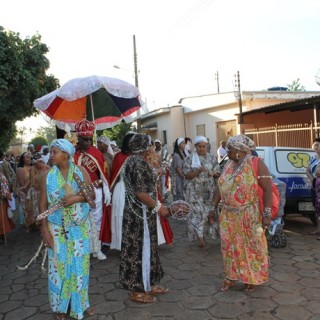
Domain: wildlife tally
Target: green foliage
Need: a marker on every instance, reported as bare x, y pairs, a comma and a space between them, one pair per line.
49, 133
39, 141
296, 86
117, 132
23, 79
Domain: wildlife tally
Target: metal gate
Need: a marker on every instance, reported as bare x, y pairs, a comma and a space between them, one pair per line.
292, 135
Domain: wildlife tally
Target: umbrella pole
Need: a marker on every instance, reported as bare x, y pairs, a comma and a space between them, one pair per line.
92, 113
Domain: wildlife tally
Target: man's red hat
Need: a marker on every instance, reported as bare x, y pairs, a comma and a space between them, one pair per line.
84, 128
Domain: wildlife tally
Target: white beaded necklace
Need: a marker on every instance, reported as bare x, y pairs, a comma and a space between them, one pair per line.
239, 165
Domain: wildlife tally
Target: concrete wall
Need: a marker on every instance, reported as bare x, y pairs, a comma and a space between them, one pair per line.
182, 120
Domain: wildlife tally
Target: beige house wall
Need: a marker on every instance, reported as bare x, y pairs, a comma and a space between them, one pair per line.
209, 111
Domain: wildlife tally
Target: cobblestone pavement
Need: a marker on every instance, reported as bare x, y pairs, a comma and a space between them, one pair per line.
193, 276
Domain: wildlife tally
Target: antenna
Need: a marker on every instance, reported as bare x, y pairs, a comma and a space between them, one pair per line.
318, 77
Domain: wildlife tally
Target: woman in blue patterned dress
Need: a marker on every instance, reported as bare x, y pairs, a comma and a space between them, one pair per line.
66, 233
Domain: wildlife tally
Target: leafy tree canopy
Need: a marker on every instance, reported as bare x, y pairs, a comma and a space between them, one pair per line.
23, 79
117, 132
296, 86
38, 142
49, 133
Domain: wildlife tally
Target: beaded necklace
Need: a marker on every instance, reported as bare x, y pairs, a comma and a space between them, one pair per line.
132, 201
238, 166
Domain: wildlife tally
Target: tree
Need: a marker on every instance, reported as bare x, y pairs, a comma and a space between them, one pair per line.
118, 132
38, 142
49, 133
296, 86
23, 78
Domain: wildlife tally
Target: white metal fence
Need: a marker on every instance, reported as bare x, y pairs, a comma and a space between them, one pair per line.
293, 135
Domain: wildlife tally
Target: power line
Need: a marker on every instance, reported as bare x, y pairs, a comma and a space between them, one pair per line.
190, 15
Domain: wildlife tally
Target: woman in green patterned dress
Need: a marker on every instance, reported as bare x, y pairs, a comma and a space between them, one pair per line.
66, 233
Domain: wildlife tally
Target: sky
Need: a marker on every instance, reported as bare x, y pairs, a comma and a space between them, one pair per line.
180, 44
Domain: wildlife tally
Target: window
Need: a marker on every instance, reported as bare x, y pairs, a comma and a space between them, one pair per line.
201, 130
164, 137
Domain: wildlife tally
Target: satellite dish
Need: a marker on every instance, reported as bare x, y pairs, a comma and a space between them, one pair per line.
318, 77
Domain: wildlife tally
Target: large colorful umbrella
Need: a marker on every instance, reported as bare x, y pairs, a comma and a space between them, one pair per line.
103, 100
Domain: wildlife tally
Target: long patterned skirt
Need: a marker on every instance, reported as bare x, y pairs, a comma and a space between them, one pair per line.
68, 274
244, 246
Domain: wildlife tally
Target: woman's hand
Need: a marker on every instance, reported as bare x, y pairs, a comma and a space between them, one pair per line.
46, 235
211, 217
266, 222
8, 195
164, 211
202, 169
69, 200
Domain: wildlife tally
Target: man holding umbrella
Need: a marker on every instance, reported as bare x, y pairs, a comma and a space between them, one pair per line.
93, 161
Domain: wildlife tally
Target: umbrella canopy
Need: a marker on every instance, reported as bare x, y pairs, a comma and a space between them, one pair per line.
103, 100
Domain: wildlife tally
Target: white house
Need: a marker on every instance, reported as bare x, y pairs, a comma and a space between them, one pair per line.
215, 116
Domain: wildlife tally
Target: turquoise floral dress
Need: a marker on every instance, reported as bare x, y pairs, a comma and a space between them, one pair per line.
69, 260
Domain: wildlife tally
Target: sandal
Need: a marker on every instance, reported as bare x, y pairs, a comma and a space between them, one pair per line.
90, 311
142, 297
158, 290
226, 285
249, 287
315, 232
59, 316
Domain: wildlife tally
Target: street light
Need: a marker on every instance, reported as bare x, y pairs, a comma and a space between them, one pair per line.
136, 79
216, 77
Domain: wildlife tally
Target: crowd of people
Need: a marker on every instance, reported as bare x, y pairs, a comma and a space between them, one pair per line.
90, 197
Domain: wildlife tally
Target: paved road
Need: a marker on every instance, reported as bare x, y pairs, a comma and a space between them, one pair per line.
193, 275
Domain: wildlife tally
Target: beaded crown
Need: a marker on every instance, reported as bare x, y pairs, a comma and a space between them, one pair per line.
84, 128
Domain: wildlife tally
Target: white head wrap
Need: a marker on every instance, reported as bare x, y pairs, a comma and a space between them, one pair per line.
195, 158
180, 140
104, 140
242, 143
107, 142
200, 139
43, 147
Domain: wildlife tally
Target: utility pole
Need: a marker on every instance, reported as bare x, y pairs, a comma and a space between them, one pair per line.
136, 80
216, 77
237, 82
135, 61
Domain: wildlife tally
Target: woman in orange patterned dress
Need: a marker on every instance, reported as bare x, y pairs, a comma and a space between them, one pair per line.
243, 241
6, 223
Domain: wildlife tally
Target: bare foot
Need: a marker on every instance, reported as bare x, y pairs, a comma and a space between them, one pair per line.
202, 243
